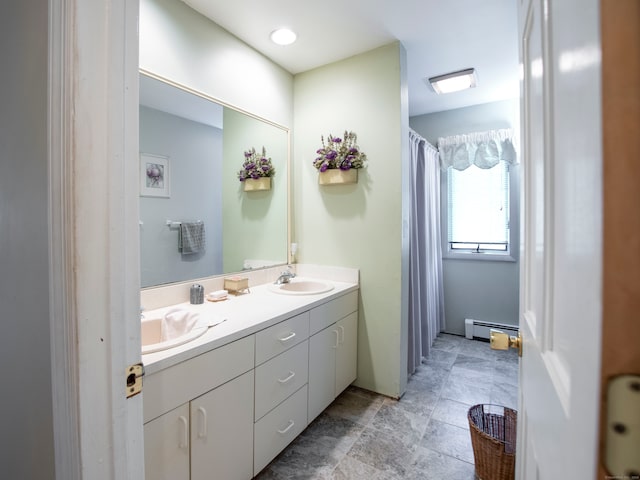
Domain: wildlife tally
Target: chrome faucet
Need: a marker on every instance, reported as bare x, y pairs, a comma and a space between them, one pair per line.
285, 277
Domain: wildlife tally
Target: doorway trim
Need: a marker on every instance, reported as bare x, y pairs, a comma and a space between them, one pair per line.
64, 375
93, 237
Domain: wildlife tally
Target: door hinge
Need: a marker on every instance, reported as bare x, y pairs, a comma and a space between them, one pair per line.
133, 375
623, 427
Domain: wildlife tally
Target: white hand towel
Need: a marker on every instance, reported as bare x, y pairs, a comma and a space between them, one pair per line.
176, 322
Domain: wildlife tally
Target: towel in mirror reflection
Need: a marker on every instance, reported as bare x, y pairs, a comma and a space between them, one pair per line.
191, 238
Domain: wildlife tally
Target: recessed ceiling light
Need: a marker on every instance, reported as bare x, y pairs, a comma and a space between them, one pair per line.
283, 36
454, 82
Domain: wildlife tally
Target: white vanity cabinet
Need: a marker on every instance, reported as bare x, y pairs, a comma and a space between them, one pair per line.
222, 431
279, 428
199, 416
347, 352
166, 446
282, 360
212, 434
332, 351
227, 413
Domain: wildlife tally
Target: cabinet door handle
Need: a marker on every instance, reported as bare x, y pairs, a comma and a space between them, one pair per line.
342, 336
337, 338
184, 432
289, 377
203, 425
287, 428
288, 337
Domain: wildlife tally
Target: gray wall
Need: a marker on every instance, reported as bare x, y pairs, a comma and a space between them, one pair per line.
195, 156
26, 444
479, 289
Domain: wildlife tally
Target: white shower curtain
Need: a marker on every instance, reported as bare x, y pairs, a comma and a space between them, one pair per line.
426, 296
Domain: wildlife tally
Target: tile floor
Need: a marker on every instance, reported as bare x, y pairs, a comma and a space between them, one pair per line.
424, 435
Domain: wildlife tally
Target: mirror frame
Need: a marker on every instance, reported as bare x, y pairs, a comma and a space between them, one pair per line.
224, 104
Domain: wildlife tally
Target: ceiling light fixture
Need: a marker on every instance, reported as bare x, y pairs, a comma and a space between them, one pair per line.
454, 82
283, 36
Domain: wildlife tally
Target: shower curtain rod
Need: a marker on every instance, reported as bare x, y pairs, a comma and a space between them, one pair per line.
422, 139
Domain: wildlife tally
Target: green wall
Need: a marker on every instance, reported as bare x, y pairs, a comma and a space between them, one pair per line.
179, 44
359, 225
254, 223
362, 226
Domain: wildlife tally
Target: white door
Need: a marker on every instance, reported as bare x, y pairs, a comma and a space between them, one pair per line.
561, 255
94, 292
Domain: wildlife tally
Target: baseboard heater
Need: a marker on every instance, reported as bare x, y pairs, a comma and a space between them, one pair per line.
480, 329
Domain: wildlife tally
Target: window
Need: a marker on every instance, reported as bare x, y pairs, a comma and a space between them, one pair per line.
478, 211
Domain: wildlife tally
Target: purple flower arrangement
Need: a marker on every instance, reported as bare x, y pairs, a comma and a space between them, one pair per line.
342, 153
256, 165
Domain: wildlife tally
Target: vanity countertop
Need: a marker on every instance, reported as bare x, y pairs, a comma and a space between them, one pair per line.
245, 314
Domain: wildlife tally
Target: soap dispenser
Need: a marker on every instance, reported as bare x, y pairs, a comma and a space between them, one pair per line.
196, 294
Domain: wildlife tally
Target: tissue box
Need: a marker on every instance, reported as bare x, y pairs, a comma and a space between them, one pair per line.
236, 284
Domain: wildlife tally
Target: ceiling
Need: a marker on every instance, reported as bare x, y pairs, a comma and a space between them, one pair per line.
440, 36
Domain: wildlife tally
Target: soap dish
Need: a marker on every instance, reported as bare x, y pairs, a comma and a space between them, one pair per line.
217, 296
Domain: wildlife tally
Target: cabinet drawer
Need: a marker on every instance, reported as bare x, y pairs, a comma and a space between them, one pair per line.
169, 388
324, 315
278, 428
280, 337
280, 377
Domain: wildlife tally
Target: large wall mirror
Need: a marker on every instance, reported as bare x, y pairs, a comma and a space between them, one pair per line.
193, 148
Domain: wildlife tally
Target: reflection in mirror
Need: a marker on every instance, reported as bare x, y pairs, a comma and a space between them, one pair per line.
191, 149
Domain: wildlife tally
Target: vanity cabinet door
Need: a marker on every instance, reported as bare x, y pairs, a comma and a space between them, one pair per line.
322, 370
166, 446
222, 431
332, 362
347, 352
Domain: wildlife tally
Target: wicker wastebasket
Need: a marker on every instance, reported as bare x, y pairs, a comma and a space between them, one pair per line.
493, 437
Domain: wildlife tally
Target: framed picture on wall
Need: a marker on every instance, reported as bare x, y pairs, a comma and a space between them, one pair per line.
155, 176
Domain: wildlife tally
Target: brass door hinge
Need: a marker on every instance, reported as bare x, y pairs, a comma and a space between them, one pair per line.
134, 374
623, 427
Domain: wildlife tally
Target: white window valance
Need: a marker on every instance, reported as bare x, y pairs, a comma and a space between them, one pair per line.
482, 149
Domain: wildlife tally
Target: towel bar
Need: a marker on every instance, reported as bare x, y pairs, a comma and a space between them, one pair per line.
172, 224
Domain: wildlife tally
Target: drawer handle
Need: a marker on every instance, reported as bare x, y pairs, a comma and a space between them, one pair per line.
203, 426
285, 380
184, 433
288, 337
289, 427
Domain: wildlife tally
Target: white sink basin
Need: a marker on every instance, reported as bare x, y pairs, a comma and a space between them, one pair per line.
152, 340
302, 287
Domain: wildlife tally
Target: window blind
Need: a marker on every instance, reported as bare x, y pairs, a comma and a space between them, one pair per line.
478, 206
